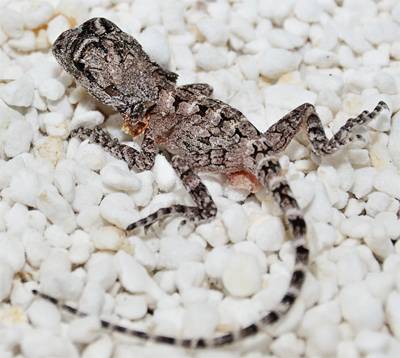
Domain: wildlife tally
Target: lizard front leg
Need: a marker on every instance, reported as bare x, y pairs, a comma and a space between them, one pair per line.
305, 117
205, 208
143, 160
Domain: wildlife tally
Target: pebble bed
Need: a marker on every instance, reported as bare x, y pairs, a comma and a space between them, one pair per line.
64, 204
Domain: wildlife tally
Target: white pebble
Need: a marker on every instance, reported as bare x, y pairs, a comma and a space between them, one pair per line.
36, 249
189, 274
287, 96
213, 232
363, 181
90, 156
102, 348
394, 140
388, 180
350, 268
354, 207
182, 56
119, 178
107, 238
275, 11
367, 313
19, 92
376, 203
303, 191
56, 26
390, 222
308, 10
12, 252
6, 277
89, 218
320, 58
216, 261
176, 250
55, 124
267, 232
164, 174
81, 247
380, 30
200, 320
242, 28
376, 58
130, 307
84, 330
324, 340
273, 62
172, 16
209, 57
356, 226
385, 83
166, 280
16, 219
47, 344
102, 270
56, 208
236, 223
283, 39
87, 119
380, 284
44, 314
143, 196
242, 275
118, 209
134, 277
156, 45
92, 299
324, 234
56, 237
38, 14
147, 12
51, 89
19, 136
213, 30
25, 43
287, 345
86, 195
11, 22
324, 313
369, 341
144, 253
393, 313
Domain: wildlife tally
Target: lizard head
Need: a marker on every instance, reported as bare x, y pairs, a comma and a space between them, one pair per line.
112, 66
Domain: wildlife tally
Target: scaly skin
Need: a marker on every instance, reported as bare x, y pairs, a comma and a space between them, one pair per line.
197, 134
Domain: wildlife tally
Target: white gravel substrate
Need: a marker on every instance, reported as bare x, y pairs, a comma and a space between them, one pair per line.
64, 204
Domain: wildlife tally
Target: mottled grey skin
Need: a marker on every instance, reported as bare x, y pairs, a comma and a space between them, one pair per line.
197, 134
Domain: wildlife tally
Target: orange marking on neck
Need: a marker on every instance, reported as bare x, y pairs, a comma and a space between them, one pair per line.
136, 128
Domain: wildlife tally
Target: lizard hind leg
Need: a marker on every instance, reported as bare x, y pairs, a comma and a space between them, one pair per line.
269, 174
279, 135
205, 208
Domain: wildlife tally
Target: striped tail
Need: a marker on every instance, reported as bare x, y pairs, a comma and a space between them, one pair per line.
269, 174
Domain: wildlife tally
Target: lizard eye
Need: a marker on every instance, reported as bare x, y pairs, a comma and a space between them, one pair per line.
80, 66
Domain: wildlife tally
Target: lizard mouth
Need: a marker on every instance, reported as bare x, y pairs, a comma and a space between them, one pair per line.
65, 44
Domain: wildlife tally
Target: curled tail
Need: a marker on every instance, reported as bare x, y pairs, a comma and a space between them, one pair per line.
269, 174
